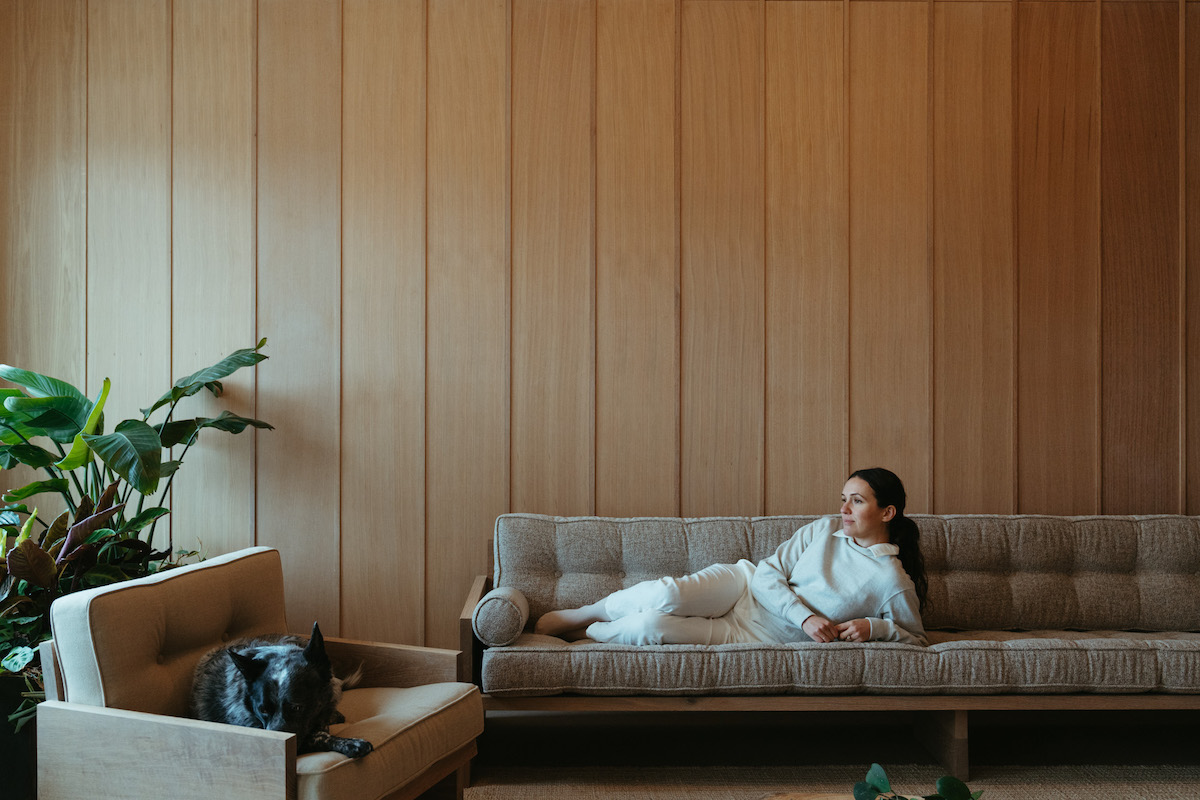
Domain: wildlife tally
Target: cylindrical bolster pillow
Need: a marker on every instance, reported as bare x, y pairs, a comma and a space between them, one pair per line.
500, 616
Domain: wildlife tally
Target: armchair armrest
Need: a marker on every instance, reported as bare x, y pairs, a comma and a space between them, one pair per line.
85, 752
396, 665
470, 647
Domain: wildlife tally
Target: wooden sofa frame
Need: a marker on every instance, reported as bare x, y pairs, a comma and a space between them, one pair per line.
941, 721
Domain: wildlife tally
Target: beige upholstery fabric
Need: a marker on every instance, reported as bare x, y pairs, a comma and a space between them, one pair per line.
1025, 604
411, 729
134, 645
500, 616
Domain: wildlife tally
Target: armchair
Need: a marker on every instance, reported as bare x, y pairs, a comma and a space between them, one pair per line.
119, 672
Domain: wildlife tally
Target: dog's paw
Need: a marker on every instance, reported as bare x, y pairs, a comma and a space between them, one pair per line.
351, 748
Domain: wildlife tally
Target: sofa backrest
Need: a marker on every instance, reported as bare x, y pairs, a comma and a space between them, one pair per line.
134, 645
985, 572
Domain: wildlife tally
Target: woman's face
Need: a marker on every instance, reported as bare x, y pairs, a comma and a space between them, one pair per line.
862, 518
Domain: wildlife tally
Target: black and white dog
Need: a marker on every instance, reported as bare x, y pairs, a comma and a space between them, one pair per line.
277, 683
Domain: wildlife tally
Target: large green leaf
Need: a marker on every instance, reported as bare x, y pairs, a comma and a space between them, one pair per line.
182, 431
40, 385
209, 377
133, 451
61, 418
80, 452
28, 454
57, 486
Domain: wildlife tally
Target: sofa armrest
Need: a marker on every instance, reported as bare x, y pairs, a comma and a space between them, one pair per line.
396, 665
470, 647
85, 752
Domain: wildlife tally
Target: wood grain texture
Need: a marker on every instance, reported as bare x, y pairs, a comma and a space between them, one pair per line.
467, 399
553, 256
1191, 232
637, 260
974, 271
890, 303
383, 307
807, 269
1140, 312
213, 261
129, 210
723, 255
299, 296
9, 74
1058, 161
44, 282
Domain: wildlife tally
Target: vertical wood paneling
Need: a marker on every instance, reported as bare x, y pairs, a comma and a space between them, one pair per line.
383, 308
299, 295
1058, 151
43, 286
889, 243
467, 401
129, 204
723, 253
974, 277
1140, 258
807, 269
553, 256
1192, 240
637, 260
8, 120
213, 262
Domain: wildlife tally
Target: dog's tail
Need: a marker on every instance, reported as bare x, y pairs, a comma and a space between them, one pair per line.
353, 679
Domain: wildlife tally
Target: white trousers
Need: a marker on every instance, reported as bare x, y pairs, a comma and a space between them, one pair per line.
712, 606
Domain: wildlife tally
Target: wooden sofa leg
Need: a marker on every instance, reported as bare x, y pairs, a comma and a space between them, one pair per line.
944, 734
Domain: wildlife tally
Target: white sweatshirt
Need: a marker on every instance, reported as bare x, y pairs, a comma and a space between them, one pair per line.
822, 571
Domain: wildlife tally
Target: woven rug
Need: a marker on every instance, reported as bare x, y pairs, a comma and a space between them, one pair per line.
755, 783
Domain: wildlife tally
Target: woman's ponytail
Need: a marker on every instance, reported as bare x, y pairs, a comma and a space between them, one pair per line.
902, 531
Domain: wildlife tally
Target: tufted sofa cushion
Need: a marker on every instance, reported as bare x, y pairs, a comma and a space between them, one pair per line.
985, 572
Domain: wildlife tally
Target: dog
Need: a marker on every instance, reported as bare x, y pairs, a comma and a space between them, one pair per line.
277, 683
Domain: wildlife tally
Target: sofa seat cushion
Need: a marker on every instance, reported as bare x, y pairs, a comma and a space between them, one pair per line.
410, 729
1048, 662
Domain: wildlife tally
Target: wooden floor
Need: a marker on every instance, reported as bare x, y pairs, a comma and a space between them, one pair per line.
744, 739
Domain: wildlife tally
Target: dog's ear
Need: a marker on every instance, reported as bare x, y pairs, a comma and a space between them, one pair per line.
251, 668
314, 653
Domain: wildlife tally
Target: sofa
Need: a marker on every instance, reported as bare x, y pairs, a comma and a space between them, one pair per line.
1024, 612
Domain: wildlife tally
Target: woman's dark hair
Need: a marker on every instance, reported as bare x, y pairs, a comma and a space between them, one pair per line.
902, 531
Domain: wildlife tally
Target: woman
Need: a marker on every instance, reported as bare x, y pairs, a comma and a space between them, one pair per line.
861, 581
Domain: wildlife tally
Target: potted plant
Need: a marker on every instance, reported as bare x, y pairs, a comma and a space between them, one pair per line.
878, 786
113, 489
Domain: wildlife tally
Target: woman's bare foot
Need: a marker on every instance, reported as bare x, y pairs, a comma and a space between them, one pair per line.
567, 620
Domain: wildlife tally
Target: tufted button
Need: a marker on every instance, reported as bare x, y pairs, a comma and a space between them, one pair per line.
621, 574
558, 573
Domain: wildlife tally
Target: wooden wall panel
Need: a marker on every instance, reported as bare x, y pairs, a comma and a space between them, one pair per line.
467, 398
1058, 217
974, 273
299, 295
1140, 258
807, 268
637, 260
383, 311
44, 284
9, 75
890, 344
213, 262
723, 253
1191, 233
553, 256
129, 207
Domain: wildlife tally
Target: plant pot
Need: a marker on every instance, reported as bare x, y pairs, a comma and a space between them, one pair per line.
18, 749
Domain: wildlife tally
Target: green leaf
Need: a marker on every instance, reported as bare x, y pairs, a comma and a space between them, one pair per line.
865, 791
977, 795
182, 431
18, 659
80, 452
39, 385
104, 574
133, 451
952, 788
57, 486
143, 519
60, 417
878, 778
208, 377
31, 455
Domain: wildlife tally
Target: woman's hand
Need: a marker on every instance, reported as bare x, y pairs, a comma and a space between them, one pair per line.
820, 629
856, 630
